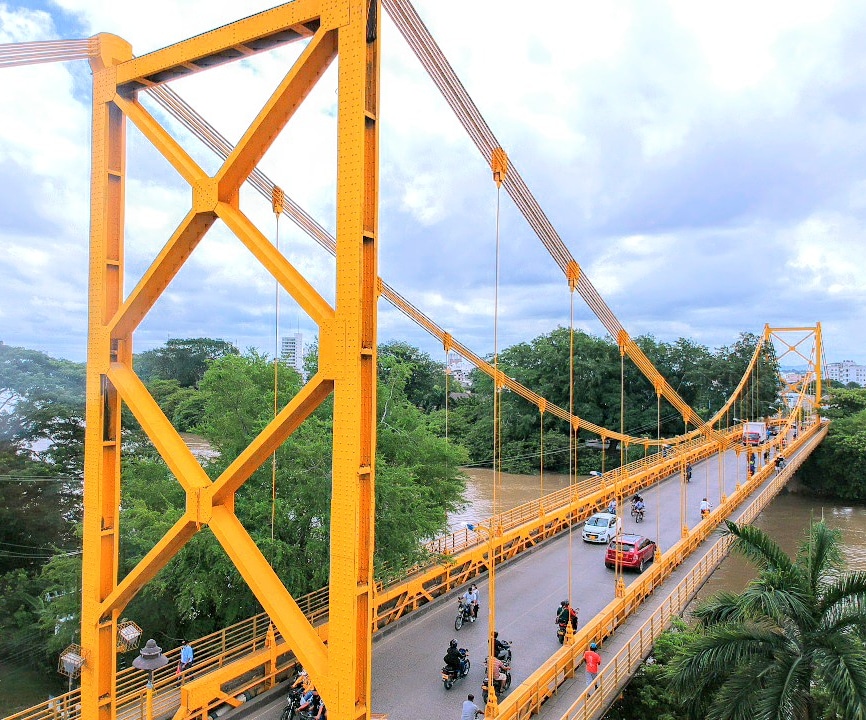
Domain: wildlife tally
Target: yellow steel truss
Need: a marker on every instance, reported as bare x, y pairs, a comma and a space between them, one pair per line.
347, 332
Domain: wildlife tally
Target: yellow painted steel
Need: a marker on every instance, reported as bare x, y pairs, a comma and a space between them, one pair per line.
223, 656
103, 404
347, 342
527, 698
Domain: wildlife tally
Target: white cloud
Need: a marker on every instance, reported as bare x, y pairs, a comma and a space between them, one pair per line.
703, 163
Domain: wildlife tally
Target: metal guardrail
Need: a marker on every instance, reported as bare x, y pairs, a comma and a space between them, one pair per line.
527, 699
458, 557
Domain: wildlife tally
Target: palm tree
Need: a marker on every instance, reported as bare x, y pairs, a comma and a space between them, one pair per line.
790, 647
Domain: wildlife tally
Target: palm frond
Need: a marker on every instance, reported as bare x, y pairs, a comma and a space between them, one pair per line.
723, 607
737, 697
845, 591
841, 664
820, 553
786, 687
755, 545
781, 606
721, 650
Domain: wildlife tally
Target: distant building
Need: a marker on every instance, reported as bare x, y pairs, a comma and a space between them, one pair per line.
292, 351
792, 378
459, 369
846, 372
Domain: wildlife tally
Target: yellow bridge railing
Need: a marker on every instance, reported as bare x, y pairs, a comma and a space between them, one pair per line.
457, 558
528, 697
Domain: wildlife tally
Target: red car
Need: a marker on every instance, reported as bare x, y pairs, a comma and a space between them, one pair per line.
635, 551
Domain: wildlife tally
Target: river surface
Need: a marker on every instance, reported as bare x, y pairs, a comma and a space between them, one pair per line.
786, 520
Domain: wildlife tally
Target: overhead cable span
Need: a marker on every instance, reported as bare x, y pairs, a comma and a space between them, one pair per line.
431, 57
45, 51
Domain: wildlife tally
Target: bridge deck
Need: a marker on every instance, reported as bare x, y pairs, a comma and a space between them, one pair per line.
407, 656
623, 652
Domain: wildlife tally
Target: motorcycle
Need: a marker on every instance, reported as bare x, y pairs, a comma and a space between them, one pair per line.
293, 702
450, 675
498, 688
638, 515
705, 512
560, 632
562, 627
464, 614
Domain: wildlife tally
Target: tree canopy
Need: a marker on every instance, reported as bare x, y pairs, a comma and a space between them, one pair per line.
702, 378
837, 467
792, 646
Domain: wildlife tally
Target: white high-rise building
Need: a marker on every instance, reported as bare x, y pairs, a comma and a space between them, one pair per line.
292, 351
845, 372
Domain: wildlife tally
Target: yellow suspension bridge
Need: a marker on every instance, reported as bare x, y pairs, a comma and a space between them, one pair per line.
331, 632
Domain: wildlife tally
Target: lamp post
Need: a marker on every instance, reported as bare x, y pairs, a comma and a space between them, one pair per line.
150, 658
491, 710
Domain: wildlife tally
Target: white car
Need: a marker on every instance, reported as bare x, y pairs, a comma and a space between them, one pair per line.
601, 527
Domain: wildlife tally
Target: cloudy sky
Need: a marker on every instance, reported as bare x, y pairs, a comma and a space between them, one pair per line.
704, 162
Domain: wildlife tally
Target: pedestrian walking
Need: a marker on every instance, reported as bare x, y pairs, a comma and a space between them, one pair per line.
592, 661
470, 709
186, 657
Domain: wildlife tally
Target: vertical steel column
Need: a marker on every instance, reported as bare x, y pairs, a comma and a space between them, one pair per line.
102, 435
353, 501
819, 362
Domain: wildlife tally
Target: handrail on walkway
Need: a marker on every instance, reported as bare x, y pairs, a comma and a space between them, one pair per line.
528, 698
458, 558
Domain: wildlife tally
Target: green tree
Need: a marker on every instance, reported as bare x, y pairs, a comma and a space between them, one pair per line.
42, 405
790, 646
837, 467
424, 386
604, 385
184, 360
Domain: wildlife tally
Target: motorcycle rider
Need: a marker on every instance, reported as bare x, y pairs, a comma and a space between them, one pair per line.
705, 507
498, 645
688, 472
452, 659
639, 506
313, 704
470, 600
499, 677
611, 507
566, 614
305, 682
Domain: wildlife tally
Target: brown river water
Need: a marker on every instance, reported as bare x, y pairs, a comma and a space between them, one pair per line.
786, 520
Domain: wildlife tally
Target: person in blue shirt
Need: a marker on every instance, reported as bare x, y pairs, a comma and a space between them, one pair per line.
186, 656
470, 710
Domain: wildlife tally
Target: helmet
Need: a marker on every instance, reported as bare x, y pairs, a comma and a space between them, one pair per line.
564, 603
453, 643
593, 646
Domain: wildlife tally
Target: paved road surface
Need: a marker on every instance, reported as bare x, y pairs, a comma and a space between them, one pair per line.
407, 660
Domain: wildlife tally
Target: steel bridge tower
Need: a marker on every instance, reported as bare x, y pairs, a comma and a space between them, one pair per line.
347, 353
